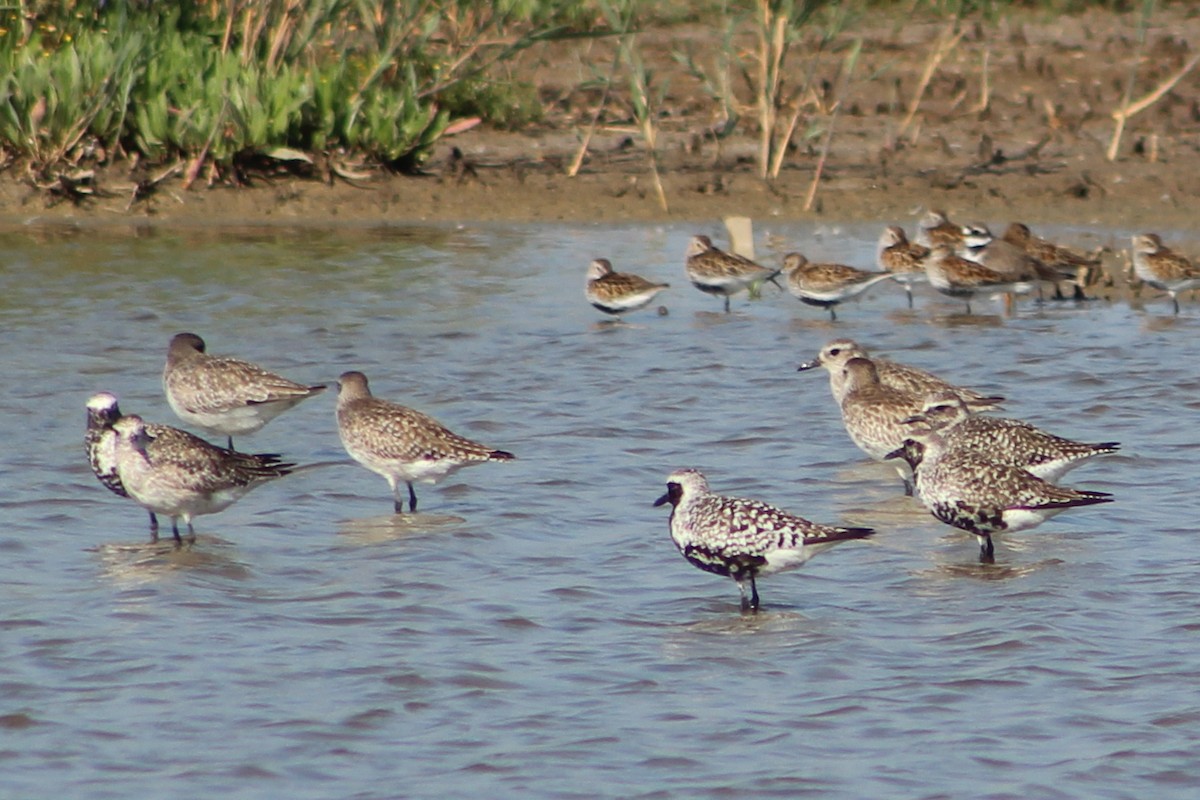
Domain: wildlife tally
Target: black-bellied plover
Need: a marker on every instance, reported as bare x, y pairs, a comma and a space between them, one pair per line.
936, 228
101, 442
904, 259
1163, 268
965, 489
713, 271
835, 354
1057, 257
1006, 441
225, 395
399, 443
826, 285
875, 414
182, 476
743, 539
618, 292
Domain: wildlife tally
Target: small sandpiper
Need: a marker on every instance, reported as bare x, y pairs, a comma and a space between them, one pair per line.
1006, 441
618, 292
182, 476
743, 539
399, 443
101, 442
713, 271
955, 276
826, 285
1054, 256
964, 489
875, 414
936, 228
1163, 268
225, 395
904, 259
913, 380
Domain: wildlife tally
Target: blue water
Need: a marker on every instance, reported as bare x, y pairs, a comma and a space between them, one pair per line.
533, 632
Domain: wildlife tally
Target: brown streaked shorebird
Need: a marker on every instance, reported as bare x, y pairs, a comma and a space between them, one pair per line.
875, 414
743, 539
225, 395
955, 276
713, 271
1163, 268
1054, 256
182, 476
904, 259
972, 493
913, 380
1008, 259
101, 442
826, 285
1006, 441
936, 228
399, 443
618, 292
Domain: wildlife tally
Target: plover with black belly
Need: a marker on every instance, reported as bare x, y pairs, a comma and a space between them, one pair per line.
835, 354
399, 443
183, 476
1163, 268
826, 285
713, 271
965, 489
101, 442
875, 414
618, 292
743, 539
904, 259
225, 395
1006, 441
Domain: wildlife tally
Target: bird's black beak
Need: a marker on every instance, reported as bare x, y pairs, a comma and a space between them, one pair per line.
816, 362
897, 453
666, 498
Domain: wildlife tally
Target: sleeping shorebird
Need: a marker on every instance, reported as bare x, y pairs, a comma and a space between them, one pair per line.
225, 395
1054, 256
713, 271
936, 228
743, 539
618, 292
1163, 268
826, 285
399, 443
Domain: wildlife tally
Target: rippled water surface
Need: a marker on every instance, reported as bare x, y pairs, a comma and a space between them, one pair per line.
533, 632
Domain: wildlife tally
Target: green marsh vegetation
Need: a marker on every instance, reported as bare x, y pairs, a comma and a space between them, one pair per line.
212, 87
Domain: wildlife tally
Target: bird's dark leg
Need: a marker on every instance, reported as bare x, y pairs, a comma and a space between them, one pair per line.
832, 315
987, 551
968, 306
908, 488
191, 532
230, 446
908, 291
175, 531
753, 594
726, 304
1175, 300
153, 524
412, 497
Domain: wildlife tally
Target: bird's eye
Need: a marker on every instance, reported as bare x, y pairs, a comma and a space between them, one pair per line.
835, 351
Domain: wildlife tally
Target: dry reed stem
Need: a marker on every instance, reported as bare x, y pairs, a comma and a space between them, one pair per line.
947, 41
1128, 109
577, 162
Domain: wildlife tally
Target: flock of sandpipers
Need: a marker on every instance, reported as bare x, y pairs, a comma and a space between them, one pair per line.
982, 474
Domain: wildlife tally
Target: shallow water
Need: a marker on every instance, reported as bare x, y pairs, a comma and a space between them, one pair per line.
532, 632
